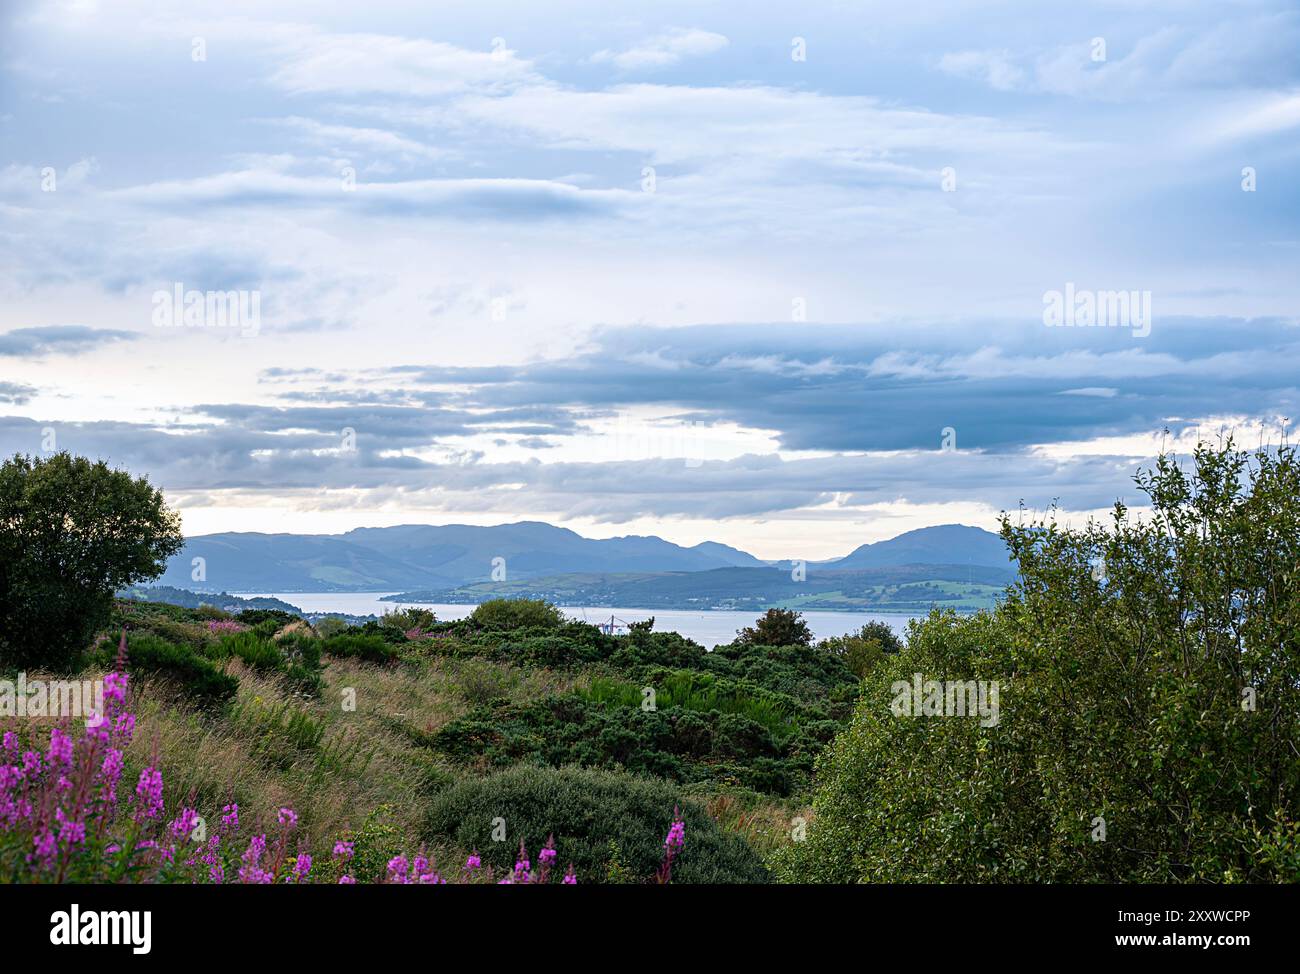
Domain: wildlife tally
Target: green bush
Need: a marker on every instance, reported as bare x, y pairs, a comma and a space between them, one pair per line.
777, 627
586, 811
194, 674
257, 651
608, 729
511, 614
259, 617
861, 651
404, 620
1148, 683
363, 646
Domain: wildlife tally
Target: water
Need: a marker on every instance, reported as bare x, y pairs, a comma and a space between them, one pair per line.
708, 628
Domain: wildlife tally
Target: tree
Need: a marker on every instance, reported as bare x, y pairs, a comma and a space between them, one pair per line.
863, 649
777, 627
1148, 706
72, 533
518, 614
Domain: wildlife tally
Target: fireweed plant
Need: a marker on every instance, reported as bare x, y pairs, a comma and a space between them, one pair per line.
66, 816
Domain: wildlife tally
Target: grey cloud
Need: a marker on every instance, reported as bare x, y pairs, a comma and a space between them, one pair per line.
58, 339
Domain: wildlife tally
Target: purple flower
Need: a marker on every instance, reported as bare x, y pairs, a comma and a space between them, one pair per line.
110, 773
473, 862
150, 792
398, 869
60, 752
301, 867
183, 826
344, 851
347, 881
70, 831
251, 871
288, 817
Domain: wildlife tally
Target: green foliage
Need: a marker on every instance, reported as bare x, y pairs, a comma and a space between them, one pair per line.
193, 673
861, 651
703, 692
777, 627
405, 620
586, 811
330, 626
797, 671
255, 650
355, 644
295, 655
1122, 685
687, 738
255, 618
511, 614
72, 533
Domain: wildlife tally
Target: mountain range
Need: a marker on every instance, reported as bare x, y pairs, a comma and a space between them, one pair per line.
444, 557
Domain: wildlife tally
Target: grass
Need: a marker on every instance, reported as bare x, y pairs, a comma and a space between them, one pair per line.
351, 751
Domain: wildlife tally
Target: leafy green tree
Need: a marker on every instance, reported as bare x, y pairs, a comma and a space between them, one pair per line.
518, 614
1149, 705
862, 650
72, 532
777, 627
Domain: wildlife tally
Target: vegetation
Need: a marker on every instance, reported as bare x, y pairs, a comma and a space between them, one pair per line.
72, 532
777, 627
1149, 700
586, 810
1145, 702
863, 650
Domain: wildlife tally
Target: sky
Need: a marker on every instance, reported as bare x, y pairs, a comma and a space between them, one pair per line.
779, 276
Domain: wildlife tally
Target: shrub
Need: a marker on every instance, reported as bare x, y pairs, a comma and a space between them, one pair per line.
362, 646
509, 614
862, 650
72, 533
255, 650
1148, 679
194, 674
258, 617
330, 625
410, 620
605, 730
586, 811
777, 627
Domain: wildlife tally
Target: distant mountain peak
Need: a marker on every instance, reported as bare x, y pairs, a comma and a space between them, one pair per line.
410, 556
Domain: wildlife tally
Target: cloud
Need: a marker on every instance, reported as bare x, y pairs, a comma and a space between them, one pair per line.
320, 62
994, 68
663, 50
1235, 52
211, 459
15, 393
1005, 387
455, 199
350, 138
58, 340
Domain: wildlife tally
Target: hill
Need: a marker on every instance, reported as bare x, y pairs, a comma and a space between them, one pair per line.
423, 557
